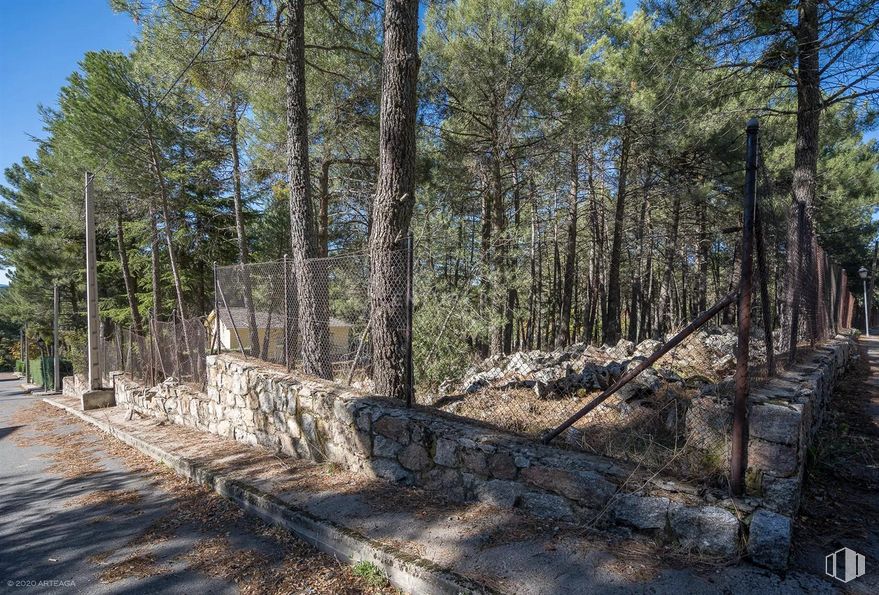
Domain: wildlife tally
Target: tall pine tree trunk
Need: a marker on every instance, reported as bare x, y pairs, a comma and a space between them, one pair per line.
637, 298
169, 232
666, 318
155, 270
499, 219
241, 235
310, 277
563, 334
805, 160
130, 282
612, 331
395, 197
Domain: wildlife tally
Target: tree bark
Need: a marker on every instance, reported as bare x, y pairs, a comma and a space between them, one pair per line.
805, 159
395, 197
310, 277
612, 330
130, 282
563, 333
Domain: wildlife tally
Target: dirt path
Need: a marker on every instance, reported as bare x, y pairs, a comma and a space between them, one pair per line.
840, 506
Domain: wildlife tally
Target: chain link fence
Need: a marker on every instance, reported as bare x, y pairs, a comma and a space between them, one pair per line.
318, 319
675, 414
664, 402
170, 351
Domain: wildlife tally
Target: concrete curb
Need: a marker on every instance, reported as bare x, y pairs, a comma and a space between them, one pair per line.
408, 573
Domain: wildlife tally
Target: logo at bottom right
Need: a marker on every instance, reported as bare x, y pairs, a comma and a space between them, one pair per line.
845, 565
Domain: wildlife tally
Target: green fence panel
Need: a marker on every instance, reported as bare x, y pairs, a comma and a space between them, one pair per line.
43, 371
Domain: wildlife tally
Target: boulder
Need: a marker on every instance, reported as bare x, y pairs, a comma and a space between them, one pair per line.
643, 512
707, 529
769, 539
547, 506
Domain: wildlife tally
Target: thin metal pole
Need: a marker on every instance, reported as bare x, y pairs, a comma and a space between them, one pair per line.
866, 310
216, 341
410, 382
740, 405
94, 365
286, 266
56, 306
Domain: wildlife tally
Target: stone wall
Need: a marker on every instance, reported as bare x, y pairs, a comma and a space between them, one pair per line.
263, 405
785, 414
259, 404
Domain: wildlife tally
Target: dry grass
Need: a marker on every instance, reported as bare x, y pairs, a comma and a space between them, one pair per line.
103, 498
138, 566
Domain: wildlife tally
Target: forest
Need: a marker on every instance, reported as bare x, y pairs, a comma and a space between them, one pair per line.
571, 170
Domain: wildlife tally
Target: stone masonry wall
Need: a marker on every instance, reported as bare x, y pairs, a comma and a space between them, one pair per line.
318, 420
785, 413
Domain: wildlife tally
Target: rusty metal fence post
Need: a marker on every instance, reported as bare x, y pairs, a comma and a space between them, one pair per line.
740, 405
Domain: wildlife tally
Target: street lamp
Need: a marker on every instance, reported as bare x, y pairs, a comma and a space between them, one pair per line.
863, 273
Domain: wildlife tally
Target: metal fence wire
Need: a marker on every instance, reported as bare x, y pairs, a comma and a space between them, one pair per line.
316, 319
666, 399
170, 351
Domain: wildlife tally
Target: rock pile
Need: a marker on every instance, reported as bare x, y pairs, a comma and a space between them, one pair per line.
707, 356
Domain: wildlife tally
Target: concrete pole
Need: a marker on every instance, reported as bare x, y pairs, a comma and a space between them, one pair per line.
94, 364
27, 361
56, 306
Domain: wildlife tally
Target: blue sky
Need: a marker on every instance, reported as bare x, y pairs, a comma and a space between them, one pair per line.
41, 42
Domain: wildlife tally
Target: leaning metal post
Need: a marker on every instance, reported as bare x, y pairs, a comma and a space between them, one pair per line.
740, 405
703, 318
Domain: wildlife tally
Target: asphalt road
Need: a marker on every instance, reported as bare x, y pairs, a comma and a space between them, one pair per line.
46, 540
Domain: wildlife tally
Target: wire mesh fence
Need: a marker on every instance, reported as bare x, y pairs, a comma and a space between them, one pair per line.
677, 414
318, 317
170, 351
665, 402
